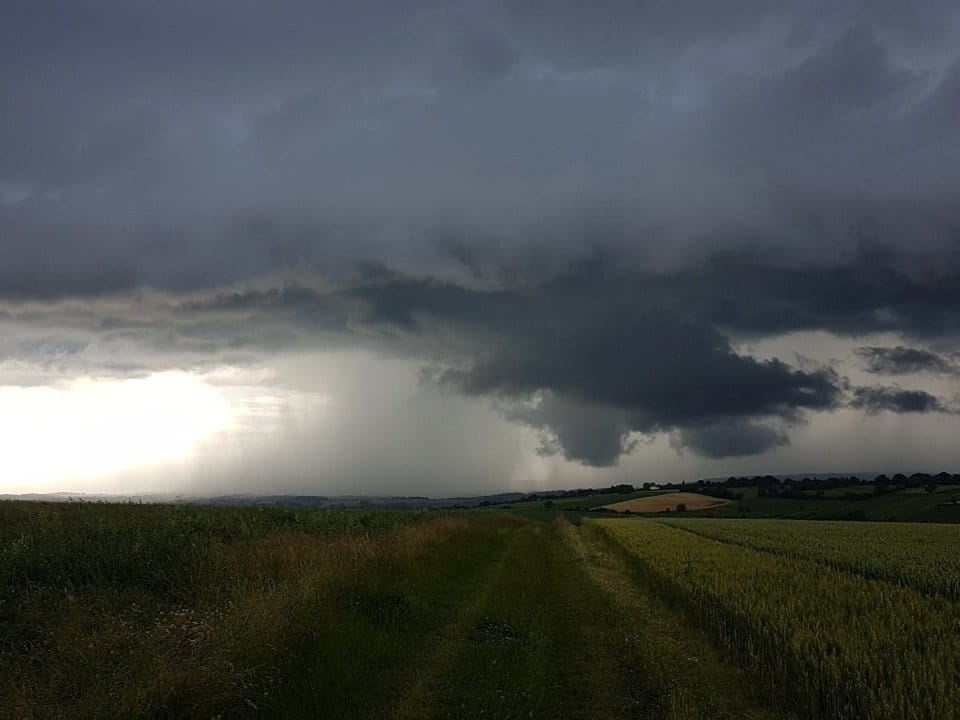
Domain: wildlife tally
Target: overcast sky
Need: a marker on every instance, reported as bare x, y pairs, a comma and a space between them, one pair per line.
460, 247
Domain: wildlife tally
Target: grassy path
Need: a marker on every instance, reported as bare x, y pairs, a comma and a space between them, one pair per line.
510, 621
417, 700
563, 630
536, 644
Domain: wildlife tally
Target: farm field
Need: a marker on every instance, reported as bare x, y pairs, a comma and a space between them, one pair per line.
919, 556
908, 505
838, 644
667, 502
163, 611
573, 508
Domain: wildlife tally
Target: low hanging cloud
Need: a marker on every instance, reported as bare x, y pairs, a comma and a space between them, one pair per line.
732, 438
603, 357
895, 399
905, 360
592, 435
595, 358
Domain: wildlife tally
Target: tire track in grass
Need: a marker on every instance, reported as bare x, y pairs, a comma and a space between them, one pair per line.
687, 675
524, 651
553, 643
417, 700
495, 659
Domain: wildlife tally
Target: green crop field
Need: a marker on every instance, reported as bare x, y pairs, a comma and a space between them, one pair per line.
839, 644
909, 505
922, 557
175, 611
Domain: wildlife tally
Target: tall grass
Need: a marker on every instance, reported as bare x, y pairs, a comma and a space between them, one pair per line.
113, 611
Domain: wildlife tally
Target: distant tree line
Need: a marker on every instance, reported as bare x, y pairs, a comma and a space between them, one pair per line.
813, 488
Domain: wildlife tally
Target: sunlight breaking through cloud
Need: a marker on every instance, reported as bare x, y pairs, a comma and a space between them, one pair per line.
90, 427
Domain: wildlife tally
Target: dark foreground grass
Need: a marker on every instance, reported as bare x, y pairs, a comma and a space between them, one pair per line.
126, 611
112, 610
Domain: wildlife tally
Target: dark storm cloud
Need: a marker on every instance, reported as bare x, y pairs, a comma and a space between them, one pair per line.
904, 360
608, 351
592, 435
592, 357
722, 295
578, 209
875, 290
734, 438
895, 399
190, 145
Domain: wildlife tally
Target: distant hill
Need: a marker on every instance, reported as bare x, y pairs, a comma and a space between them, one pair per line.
341, 501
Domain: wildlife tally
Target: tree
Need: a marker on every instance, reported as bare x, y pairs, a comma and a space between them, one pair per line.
548, 505
682, 507
930, 487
